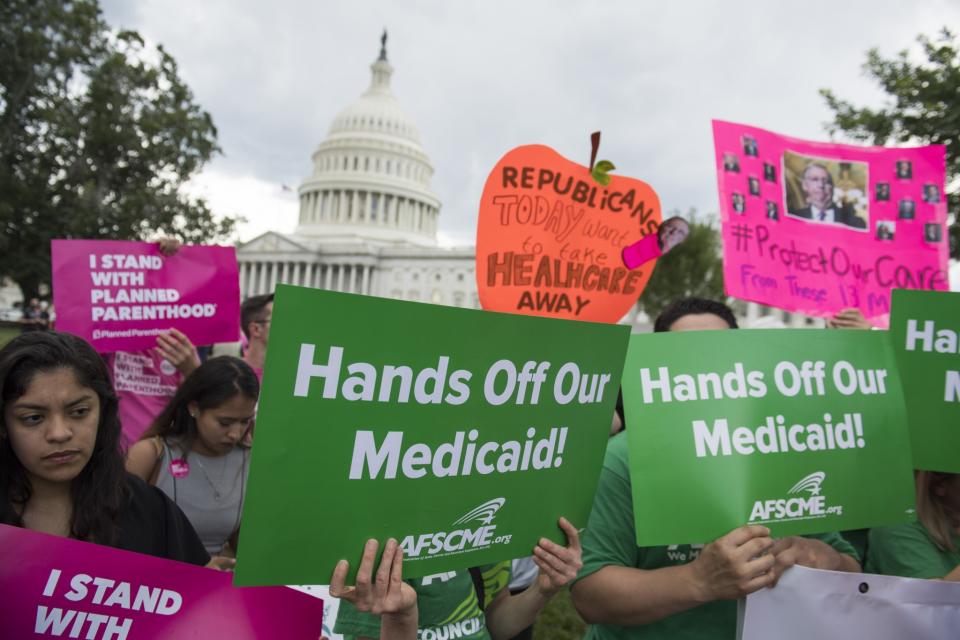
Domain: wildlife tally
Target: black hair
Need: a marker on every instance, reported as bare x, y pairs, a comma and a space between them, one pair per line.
619, 409
99, 491
210, 385
693, 306
252, 309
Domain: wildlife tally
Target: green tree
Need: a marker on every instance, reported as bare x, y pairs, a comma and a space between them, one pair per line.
923, 107
693, 268
98, 134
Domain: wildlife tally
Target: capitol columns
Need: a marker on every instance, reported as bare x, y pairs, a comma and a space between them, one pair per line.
365, 287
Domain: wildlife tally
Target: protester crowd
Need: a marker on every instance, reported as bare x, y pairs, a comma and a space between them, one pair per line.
162, 471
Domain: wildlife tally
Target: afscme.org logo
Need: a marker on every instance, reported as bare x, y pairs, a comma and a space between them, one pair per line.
464, 539
797, 506
485, 513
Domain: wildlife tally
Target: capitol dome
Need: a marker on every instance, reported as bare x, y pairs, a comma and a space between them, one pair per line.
371, 177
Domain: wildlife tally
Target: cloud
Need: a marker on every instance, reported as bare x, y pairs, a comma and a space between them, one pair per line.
265, 206
479, 78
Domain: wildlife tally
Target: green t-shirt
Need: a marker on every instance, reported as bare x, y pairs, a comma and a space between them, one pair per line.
446, 603
907, 550
610, 539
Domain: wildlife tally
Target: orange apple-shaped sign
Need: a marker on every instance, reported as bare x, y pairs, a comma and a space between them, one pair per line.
550, 238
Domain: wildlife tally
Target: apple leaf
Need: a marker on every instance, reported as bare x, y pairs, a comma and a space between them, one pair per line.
599, 172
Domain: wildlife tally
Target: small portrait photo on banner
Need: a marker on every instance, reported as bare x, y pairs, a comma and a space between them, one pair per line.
749, 146
933, 232
904, 169
769, 172
672, 232
738, 202
882, 193
826, 191
907, 209
754, 185
931, 193
731, 163
885, 229
773, 212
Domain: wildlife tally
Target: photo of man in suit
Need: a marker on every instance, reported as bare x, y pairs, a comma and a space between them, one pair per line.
904, 169
907, 209
738, 203
883, 192
931, 193
885, 230
932, 232
731, 163
817, 185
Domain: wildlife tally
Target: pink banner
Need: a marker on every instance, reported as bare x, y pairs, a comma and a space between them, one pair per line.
58, 587
815, 228
119, 296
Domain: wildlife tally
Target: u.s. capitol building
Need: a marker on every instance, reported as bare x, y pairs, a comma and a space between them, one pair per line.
368, 219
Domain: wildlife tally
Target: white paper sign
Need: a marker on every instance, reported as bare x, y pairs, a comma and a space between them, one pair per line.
829, 605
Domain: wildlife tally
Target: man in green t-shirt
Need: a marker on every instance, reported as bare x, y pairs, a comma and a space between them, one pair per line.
681, 591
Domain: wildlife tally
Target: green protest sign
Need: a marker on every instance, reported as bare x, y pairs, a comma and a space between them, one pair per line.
925, 329
463, 434
801, 431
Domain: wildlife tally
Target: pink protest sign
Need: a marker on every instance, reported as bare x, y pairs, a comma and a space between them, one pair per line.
815, 228
58, 587
119, 296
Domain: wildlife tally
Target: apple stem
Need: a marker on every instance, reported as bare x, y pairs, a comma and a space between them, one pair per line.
594, 147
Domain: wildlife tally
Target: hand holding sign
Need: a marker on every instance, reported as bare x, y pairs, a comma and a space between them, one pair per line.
808, 552
736, 564
385, 594
177, 349
558, 565
848, 319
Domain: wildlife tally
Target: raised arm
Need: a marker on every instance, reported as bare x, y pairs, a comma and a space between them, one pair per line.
508, 615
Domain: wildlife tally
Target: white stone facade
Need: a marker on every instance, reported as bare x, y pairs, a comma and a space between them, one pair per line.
405, 272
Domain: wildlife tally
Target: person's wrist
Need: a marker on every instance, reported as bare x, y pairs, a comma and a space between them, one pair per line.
698, 586
544, 592
406, 616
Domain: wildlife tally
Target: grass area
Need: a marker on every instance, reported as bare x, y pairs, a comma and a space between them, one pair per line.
7, 334
559, 620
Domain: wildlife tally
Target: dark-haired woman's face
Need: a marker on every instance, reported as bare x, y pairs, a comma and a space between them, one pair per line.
221, 428
53, 426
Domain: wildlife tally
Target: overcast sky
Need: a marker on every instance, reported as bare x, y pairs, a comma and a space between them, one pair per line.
479, 78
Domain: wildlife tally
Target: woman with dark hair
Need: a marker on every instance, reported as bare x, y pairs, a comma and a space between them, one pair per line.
61, 471
194, 450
